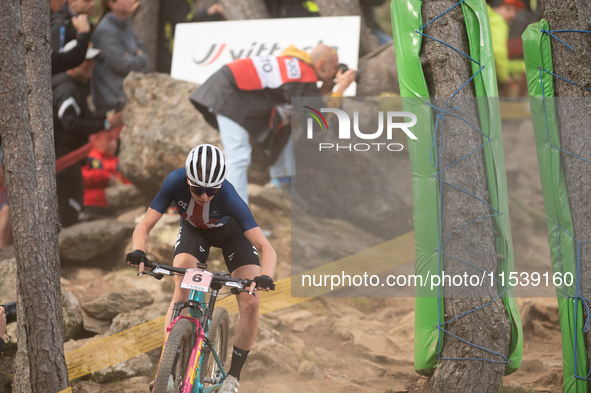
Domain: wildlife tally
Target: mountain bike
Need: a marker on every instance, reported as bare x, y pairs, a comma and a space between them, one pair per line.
194, 355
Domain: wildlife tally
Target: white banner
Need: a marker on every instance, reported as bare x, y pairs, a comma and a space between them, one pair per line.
200, 49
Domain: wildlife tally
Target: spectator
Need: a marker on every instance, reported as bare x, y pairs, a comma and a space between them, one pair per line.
241, 103
171, 13
502, 14
122, 52
63, 61
101, 170
68, 23
73, 123
2, 327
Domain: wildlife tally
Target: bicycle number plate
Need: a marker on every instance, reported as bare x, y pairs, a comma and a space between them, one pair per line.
197, 280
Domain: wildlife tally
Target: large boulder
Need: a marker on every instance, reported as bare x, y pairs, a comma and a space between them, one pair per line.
86, 240
129, 319
161, 127
378, 73
123, 196
371, 189
107, 306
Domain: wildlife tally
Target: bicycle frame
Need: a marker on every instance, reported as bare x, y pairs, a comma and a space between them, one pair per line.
192, 380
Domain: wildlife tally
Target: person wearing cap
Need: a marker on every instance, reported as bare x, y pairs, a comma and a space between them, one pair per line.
502, 14
73, 123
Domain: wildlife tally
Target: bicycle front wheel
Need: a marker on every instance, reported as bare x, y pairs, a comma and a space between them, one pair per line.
175, 359
218, 336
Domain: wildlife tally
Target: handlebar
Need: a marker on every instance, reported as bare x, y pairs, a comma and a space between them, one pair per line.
218, 278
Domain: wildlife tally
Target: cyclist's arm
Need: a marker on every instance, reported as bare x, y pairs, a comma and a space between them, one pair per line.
142, 231
268, 254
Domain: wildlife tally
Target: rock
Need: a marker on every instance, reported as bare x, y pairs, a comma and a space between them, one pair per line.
136, 366
131, 385
73, 345
539, 319
95, 325
379, 73
109, 305
270, 358
161, 127
309, 370
86, 240
289, 316
129, 319
86, 387
72, 315
122, 196
278, 388
354, 185
268, 198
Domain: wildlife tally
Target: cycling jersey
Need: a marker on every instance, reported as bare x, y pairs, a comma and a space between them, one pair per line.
225, 204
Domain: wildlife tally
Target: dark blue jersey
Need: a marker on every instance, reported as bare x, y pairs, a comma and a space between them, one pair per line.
225, 204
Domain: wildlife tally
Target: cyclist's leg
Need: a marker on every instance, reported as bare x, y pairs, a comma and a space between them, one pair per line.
191, 247
242, 261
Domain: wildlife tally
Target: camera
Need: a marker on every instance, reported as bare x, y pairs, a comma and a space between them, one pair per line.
344, 68
10, 311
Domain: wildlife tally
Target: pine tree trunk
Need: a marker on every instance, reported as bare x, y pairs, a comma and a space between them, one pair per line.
574, 117
488, 327
367, 42
245, 9
144, 25
32, 202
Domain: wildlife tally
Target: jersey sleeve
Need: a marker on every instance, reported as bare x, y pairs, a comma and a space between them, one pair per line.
236, 208
165, 196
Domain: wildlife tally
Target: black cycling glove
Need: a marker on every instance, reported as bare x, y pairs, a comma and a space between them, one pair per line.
136, 257
263, 282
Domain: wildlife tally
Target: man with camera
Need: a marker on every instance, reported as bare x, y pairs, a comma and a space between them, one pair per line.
249, 98
7, 315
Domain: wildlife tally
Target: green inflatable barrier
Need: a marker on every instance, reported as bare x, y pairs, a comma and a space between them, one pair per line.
406, 17
538, 56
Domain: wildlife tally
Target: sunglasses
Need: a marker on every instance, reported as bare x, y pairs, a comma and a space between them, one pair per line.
197, 190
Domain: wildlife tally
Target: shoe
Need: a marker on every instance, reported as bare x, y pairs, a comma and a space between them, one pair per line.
230, 385
151, 385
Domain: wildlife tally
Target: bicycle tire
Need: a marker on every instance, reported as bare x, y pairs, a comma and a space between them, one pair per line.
218, 335
175, 358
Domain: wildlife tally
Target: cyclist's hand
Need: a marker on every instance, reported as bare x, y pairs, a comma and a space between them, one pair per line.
137, 258
263, 283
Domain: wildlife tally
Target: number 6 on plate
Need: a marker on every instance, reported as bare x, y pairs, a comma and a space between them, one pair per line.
197, 280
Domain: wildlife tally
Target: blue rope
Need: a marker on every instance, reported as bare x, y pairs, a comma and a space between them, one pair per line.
566, 80
556, 38
440, 15
563, 31
448, 45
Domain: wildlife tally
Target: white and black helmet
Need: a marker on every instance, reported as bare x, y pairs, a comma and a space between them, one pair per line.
206, 166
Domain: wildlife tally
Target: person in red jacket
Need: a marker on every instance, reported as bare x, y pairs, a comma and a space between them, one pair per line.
101, 170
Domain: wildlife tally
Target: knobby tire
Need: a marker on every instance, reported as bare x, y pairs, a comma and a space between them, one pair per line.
218, 335
175, 359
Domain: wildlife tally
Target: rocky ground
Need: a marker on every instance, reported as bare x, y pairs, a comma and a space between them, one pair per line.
322, 345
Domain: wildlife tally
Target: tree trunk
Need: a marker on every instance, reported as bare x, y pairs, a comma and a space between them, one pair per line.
145, 22
367, 41
244, 9
488, 327
39, 296
574, 116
